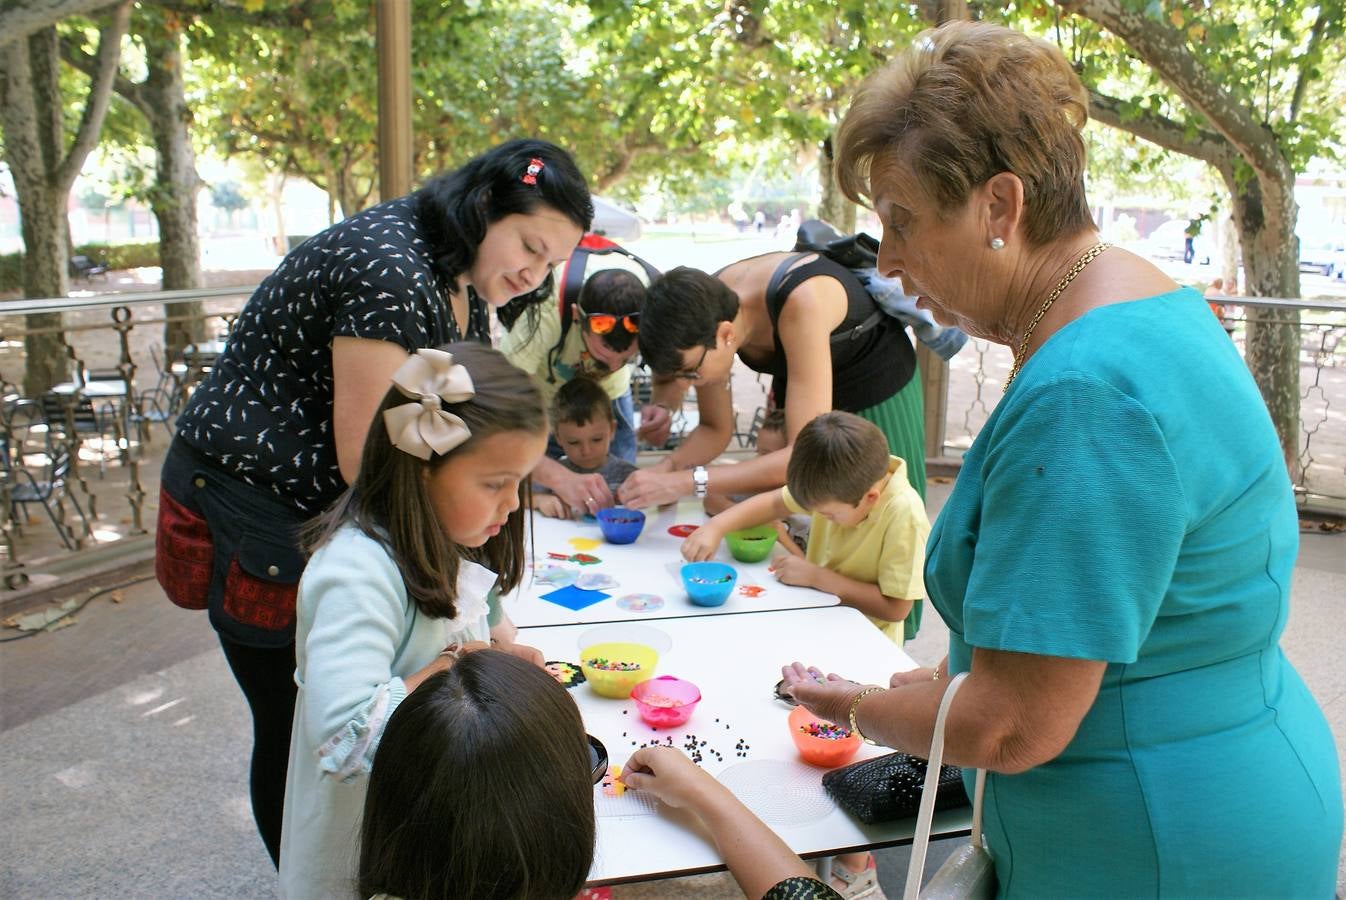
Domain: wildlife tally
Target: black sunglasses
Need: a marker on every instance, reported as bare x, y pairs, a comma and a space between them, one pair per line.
694, 373
598, 758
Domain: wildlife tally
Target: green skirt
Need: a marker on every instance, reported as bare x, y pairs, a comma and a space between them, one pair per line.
901, 418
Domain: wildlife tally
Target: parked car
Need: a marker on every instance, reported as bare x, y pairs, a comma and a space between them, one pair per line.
1169, 241
1326, 257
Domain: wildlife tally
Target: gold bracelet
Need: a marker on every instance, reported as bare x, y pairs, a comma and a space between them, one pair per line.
850, 715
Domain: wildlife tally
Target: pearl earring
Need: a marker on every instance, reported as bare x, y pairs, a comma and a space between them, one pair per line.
997, 244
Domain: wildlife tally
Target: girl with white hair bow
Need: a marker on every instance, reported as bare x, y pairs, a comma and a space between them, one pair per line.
396, 587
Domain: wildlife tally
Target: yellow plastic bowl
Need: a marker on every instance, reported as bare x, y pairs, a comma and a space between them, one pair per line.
617, 683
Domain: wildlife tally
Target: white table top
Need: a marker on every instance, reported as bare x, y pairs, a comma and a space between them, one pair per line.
205, 348
94, 390
736, 661
649, 566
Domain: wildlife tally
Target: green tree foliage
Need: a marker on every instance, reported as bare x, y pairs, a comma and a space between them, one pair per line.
295, 83
708, 74
1241, 85
300, 89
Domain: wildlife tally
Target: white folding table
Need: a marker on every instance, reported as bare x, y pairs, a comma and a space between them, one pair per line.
735, 660
648, 566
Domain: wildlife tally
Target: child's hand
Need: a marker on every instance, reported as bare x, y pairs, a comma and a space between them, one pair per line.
523, 651
551, 506
446, 658
795, 570
701, 544
787, 541
667, 773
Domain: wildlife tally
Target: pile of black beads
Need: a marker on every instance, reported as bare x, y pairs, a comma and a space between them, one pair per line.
697, 748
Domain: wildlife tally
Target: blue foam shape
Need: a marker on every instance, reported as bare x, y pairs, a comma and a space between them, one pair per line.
574, 598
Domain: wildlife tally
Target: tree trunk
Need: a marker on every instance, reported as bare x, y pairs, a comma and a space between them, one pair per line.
1265, 212
174, 201
834, 207
45, 239
30, 104
1229, 249
331, 196
275, 185
32, 113
344, 188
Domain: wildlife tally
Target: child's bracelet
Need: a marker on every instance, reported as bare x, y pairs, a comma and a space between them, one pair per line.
453, 651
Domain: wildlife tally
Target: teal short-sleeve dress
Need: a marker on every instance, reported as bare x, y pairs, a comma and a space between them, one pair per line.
1127, 502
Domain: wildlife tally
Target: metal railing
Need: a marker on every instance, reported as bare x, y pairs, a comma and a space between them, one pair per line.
136, 322
130, 366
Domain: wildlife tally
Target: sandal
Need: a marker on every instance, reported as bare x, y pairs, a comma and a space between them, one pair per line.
856, 885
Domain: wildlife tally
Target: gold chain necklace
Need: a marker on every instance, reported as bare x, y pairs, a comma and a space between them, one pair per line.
1087, 257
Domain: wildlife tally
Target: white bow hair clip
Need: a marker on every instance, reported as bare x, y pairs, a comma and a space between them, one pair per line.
423, 427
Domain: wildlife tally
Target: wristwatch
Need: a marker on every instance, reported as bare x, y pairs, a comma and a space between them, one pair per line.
700, 481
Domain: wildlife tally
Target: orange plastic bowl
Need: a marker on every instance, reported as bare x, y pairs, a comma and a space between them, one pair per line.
820, 751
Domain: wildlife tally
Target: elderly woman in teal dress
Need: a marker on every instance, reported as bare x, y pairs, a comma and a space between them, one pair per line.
1116, 590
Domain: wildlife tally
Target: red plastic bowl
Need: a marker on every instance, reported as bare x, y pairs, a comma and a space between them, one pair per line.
826, 752
665, 701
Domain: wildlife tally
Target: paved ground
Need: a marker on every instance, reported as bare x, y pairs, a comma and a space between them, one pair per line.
125, 744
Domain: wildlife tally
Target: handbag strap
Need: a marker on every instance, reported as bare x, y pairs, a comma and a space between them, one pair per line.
925, 818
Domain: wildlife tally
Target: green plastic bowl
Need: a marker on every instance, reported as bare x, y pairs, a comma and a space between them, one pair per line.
752, 544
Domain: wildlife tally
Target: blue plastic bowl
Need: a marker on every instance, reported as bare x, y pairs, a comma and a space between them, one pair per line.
621, 525
709, 583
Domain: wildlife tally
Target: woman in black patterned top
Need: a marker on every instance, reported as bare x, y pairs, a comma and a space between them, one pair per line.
275, 432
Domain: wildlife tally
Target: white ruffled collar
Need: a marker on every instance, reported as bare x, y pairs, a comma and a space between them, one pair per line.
474, 584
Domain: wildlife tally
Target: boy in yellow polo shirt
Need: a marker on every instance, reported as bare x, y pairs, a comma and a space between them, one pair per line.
869, 527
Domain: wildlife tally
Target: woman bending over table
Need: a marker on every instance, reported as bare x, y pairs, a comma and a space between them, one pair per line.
809, 323
274, 434
1115, 589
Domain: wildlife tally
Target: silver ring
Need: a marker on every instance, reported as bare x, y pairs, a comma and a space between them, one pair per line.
588, 500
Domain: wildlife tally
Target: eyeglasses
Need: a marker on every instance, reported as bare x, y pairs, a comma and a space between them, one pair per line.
694, 373
604, 323
598, 758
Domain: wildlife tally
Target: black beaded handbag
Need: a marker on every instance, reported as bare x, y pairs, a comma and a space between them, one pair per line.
889, 787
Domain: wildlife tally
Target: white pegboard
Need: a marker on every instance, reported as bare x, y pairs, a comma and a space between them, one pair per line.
781, 793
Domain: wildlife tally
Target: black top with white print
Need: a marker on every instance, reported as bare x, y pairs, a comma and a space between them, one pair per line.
265, 411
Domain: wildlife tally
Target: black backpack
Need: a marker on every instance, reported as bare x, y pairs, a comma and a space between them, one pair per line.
854, 251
